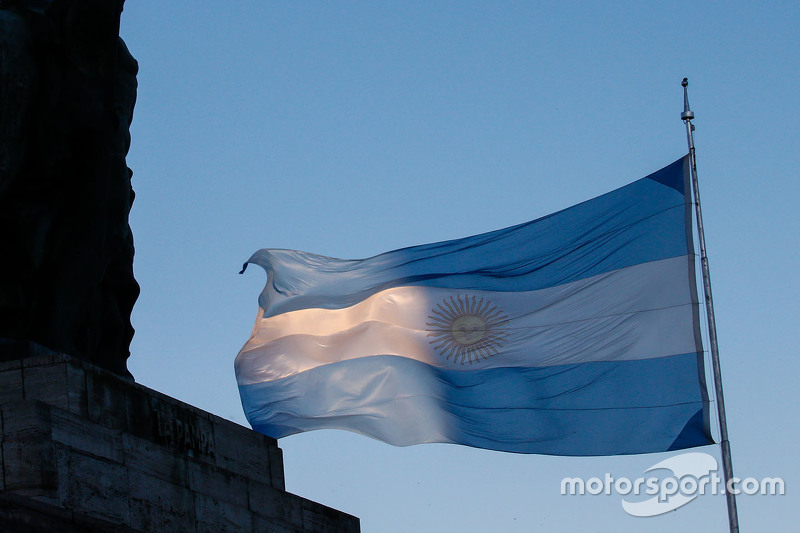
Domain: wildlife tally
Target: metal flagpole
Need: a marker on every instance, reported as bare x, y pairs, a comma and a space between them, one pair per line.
727, 466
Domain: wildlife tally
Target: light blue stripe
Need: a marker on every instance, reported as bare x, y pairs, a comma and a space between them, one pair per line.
604, 408
638, 223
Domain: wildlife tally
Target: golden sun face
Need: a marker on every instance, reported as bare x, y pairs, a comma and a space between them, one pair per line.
467, 328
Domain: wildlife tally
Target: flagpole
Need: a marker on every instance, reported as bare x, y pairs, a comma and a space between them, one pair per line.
727, 465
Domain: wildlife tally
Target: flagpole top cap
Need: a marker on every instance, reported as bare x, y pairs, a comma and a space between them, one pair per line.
687, 114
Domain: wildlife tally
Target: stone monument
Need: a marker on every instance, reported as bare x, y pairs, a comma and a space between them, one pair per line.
68, 89
83, 447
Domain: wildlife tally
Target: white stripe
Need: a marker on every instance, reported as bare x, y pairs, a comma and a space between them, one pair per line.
640, 312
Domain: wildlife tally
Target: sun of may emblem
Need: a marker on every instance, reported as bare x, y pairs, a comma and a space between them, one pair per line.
466, 328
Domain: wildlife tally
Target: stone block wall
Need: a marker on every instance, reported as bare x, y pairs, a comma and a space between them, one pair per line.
94, 452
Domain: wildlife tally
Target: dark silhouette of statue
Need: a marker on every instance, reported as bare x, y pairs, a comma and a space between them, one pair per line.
67, 91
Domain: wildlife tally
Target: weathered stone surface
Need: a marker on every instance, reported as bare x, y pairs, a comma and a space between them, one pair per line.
263, 524
155, 461
46, 382
72, 431
239, 454
217, 483
24, 515
106, 402
2, 461
68, 86
268, 501
276, 476
97, 487
157, 505
323, 519
217, 515
10, 384
29, 465
76, 391
116, 456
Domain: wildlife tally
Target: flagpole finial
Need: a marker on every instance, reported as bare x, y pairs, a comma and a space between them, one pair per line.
687, 114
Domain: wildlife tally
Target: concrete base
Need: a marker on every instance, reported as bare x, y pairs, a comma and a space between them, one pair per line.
84, 450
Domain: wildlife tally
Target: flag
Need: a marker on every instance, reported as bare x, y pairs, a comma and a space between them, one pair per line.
574, 334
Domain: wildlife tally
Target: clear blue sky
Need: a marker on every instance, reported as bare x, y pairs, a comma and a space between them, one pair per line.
352, 128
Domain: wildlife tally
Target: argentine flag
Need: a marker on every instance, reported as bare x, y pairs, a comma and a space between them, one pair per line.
574, 334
